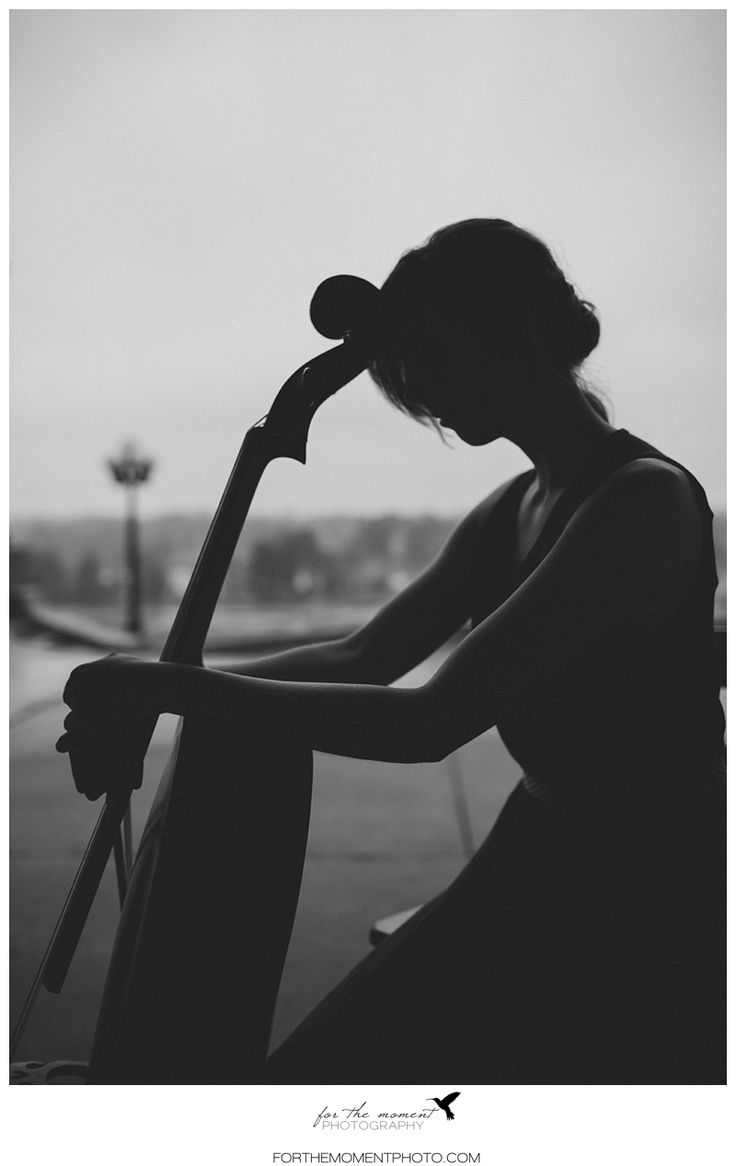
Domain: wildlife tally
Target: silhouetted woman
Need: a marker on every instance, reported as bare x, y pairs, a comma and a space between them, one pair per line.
583, 942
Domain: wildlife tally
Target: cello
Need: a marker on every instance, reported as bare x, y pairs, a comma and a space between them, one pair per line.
211, 897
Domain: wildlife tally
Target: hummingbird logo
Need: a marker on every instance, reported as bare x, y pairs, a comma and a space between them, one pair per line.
445, 1102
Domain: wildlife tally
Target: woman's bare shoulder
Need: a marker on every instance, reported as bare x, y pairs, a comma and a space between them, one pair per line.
654, 481
653, 499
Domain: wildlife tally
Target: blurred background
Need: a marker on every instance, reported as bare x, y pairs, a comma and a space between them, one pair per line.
181, 181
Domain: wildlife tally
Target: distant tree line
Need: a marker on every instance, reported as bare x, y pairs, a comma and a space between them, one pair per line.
378, 558
86, 581
343, 558
79, 562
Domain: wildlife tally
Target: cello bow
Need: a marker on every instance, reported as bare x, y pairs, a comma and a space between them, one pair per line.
189, 858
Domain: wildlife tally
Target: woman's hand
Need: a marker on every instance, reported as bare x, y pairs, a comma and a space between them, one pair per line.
114, 702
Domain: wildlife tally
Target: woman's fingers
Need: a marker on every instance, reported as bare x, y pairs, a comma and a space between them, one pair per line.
89, 765
78, 729
93, 724
99, 767
105, 752
81, 727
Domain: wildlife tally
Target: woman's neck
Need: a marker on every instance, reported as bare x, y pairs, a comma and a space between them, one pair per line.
559, 437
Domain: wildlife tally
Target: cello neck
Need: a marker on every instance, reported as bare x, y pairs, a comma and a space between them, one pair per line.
185, 642
282, 433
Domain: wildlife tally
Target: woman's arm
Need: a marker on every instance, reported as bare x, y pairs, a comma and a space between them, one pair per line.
398, 637
636, 534
337, 661
403, 633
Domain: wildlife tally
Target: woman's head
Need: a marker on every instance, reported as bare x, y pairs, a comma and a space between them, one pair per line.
481, 298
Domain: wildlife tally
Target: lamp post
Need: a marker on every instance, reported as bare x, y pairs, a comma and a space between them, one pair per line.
131, 470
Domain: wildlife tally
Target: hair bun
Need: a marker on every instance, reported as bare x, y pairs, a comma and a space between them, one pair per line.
584, 333
564, 327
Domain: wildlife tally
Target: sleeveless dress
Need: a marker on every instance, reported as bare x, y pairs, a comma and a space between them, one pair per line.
584, 943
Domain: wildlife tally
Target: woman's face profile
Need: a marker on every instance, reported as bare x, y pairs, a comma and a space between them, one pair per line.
464, 389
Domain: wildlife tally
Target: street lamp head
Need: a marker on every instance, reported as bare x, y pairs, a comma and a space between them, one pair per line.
129, 469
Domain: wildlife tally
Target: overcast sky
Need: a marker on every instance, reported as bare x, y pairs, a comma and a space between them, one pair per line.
182, 180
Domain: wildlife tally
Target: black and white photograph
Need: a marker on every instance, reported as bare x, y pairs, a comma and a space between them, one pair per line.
368, 577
